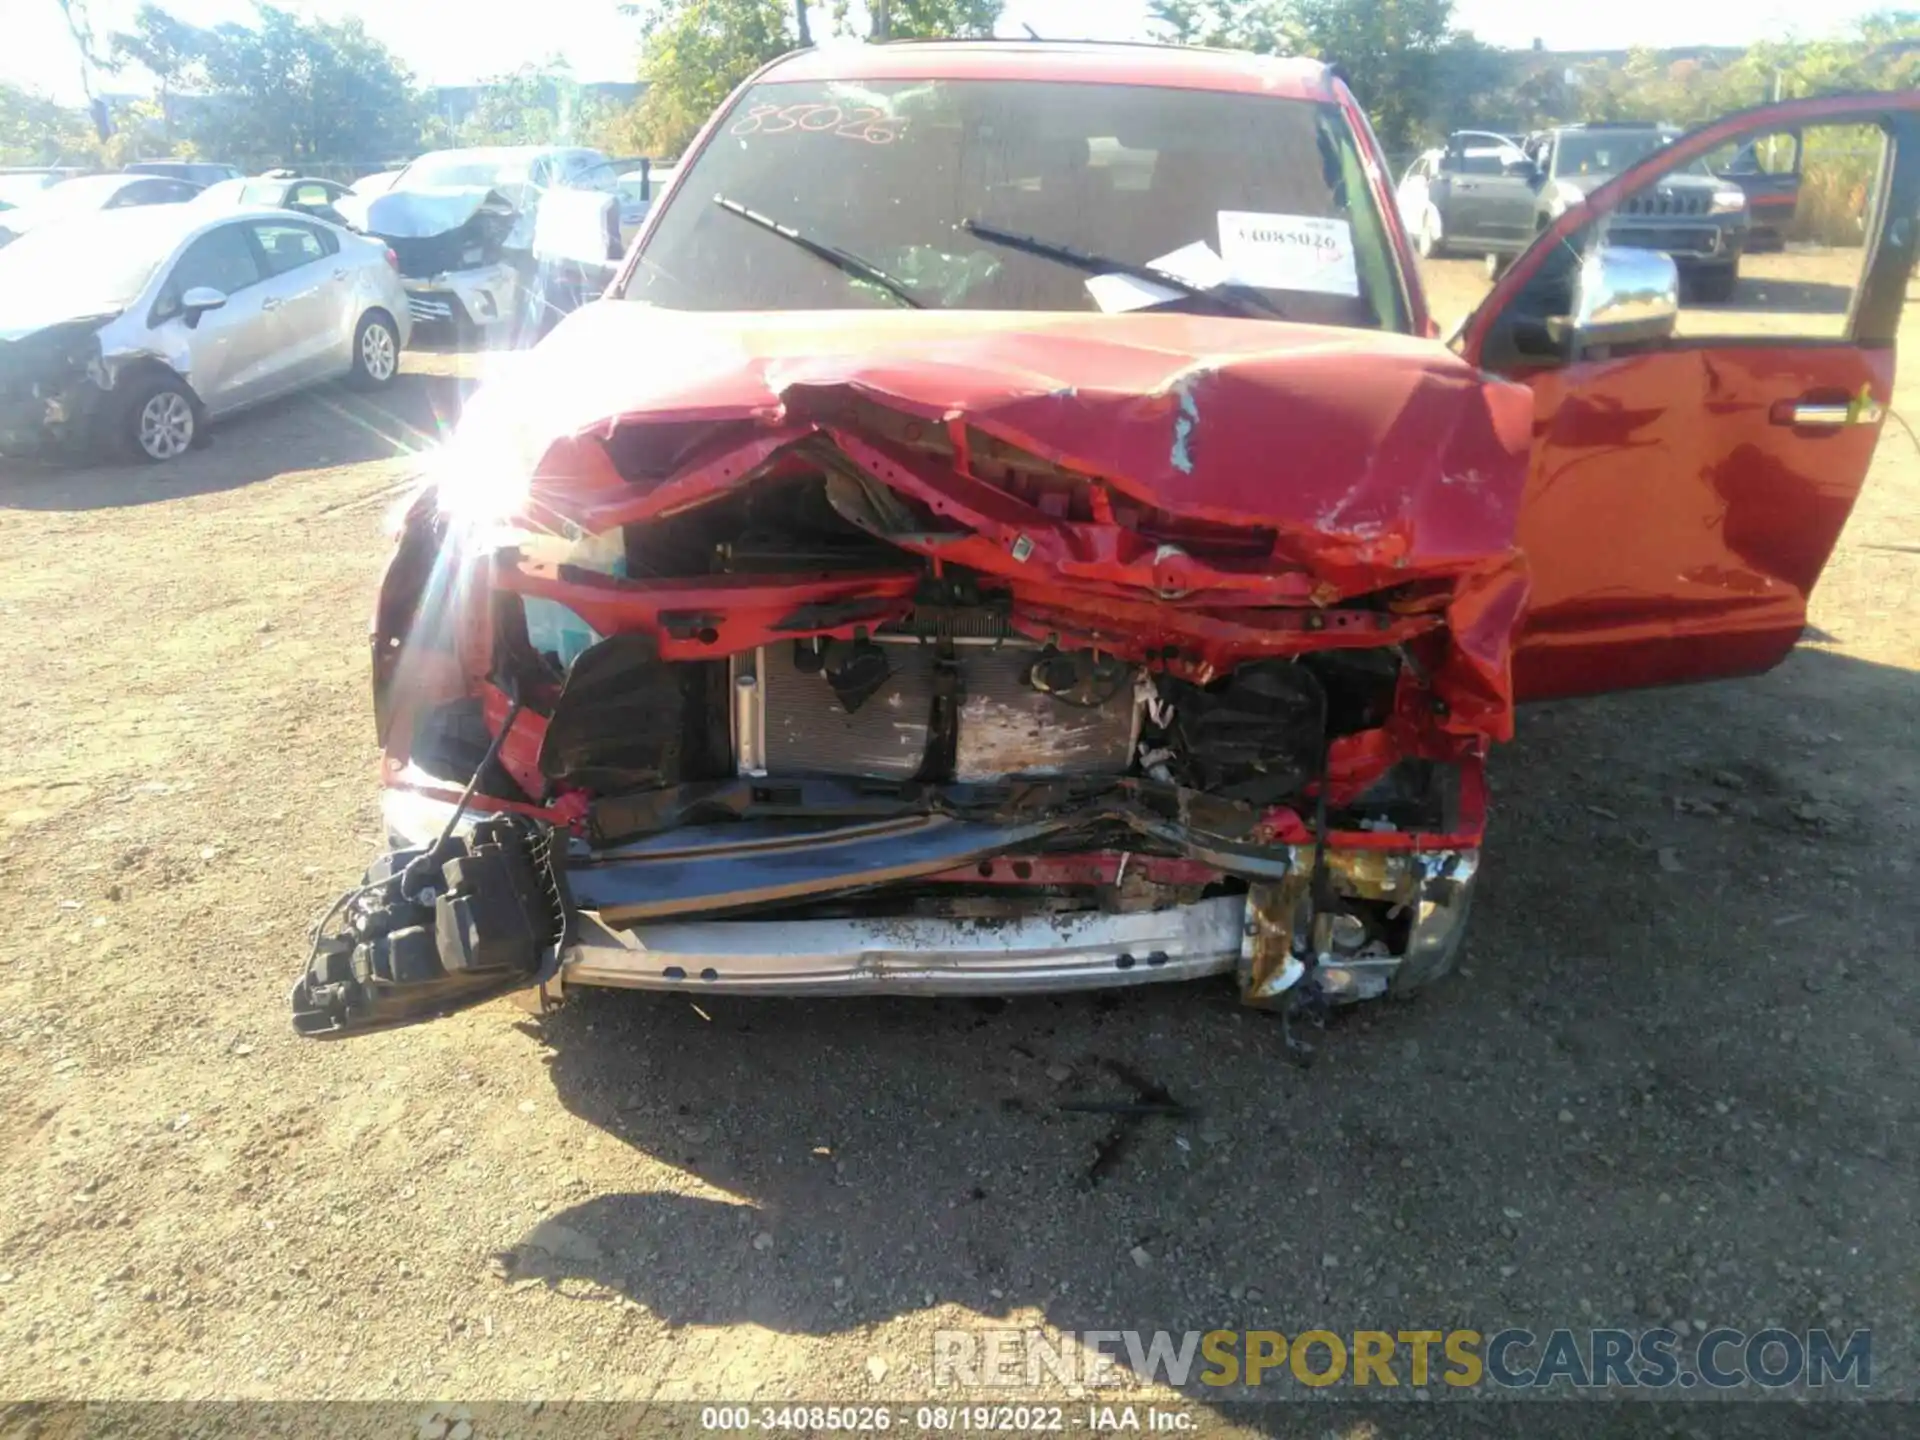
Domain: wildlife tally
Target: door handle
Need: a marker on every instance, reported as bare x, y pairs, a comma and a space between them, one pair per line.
270, 303
1863, 409
1813, 415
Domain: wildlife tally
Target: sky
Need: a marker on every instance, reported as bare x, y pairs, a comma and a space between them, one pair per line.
602, 44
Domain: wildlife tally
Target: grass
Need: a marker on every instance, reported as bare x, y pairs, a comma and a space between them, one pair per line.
1835, 184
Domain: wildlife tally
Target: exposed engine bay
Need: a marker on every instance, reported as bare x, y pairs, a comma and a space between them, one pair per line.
835, 698
942, 686
945, 690
52, 382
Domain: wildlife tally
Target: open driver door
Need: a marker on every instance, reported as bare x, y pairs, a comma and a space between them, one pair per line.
1694, 465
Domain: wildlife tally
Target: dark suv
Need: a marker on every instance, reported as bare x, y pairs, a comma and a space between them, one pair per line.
1699, 219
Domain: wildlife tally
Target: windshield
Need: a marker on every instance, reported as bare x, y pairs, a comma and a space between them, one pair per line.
1266, 193
81, 269
468, 167
1608, 152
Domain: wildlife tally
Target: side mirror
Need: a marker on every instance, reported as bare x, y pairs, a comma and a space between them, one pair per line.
198, 301
1625, 297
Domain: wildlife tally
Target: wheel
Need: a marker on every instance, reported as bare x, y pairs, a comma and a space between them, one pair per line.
1714, 285
156, 420
376, 353
1430, 239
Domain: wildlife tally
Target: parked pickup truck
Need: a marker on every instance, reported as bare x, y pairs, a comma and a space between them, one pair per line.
1011, 526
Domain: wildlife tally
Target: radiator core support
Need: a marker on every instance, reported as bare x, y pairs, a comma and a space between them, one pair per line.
789, 721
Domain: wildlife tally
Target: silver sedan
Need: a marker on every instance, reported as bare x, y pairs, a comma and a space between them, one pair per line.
134, 329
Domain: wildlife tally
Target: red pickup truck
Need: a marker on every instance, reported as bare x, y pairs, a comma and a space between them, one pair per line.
1012, 525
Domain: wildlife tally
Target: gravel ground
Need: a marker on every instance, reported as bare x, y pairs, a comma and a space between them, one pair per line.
1673, 1083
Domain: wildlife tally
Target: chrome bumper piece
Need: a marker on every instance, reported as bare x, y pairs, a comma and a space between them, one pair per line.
642, 921
912, 956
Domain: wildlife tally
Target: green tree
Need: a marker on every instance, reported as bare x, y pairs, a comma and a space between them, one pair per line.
1389, 50
1883, 53
534, 105
96, 54
37, 131
697, 51
1472, 89
917, 19
171, 51
1264, 26
289, 91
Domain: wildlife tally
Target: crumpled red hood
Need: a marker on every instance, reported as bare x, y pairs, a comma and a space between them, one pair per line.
1383, 448
1376, 459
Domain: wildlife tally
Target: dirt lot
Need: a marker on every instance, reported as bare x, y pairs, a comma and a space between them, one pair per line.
1675, 1082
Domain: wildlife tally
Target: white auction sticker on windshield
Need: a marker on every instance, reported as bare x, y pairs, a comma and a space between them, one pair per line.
1289, 252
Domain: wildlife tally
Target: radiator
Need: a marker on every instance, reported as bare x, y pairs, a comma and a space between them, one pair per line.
789, 723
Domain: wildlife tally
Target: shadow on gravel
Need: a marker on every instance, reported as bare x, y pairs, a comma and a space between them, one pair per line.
1654, 1096
316, 429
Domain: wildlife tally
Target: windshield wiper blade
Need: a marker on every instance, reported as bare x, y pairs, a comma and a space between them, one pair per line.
1245, 303
844, 261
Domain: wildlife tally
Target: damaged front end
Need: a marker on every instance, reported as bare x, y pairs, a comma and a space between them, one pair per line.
432, 930
451, 245
474, 255
861, 656
52, 383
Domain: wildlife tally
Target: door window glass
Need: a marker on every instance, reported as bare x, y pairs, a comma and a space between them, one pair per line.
1769, 155
1771, 254
219, 260
288, 246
